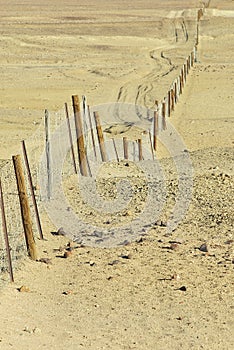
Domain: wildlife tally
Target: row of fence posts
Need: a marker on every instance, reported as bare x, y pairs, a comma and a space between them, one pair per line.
162, 111
166, 108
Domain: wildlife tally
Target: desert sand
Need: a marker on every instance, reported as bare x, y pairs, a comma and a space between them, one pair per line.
163, 290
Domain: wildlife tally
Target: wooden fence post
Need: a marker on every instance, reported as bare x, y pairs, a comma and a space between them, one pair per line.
48, 155
125, 147
155, 132
25, 209
151, 145
92, 133
140, 149
116, 153
70, 138
80, 137
169, 103
4, 227
164, 115
32, 189
100, 137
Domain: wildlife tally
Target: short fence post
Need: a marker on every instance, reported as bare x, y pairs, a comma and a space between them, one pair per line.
116, 153
25, 209
155, 130
164, 115
140, 149
125, 147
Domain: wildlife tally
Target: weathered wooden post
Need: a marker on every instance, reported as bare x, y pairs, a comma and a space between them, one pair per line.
25, 209
100, 137
140, 152
48, 155
164, 115
155, 128
4, 227
92, 133
70, 138
125, 147
80, 137
116, 153
32, 189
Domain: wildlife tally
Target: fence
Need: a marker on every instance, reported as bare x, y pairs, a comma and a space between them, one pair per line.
80, 131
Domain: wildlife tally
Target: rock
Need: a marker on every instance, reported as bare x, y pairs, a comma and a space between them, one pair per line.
61, 232
36, 330
175, 277
45, 261
183, 289
67, 254
67, 292
92, 263
114, 262
174, 246
203, 248
23, 289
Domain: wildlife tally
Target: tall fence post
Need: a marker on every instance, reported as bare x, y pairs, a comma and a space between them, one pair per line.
4, 227
25, 209
80, 137
48, 155
100, 137
70, 138
32, 189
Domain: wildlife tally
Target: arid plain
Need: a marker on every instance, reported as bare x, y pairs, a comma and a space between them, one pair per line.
163, 291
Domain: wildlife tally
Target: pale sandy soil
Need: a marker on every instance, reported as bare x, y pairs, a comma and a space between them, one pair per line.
126, 297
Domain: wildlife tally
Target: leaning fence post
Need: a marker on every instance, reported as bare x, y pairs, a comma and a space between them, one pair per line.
116, 152
31, 189
25, 209
4, 227
100, 137
48, 155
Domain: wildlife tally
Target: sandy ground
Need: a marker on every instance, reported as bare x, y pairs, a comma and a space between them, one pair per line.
161, 292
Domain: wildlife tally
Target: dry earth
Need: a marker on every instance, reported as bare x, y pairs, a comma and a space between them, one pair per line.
162, 291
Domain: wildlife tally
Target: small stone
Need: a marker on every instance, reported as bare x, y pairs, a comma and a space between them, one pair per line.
92, 263
126, 256
45, 261
175, 277
183, 289
61, 232
114, 262
67, 254
36, 330
24, 289
174, 246
203, 248
67, 292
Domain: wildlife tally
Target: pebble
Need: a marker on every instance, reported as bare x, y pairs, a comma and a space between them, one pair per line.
67, 254
203, 248
24, 289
